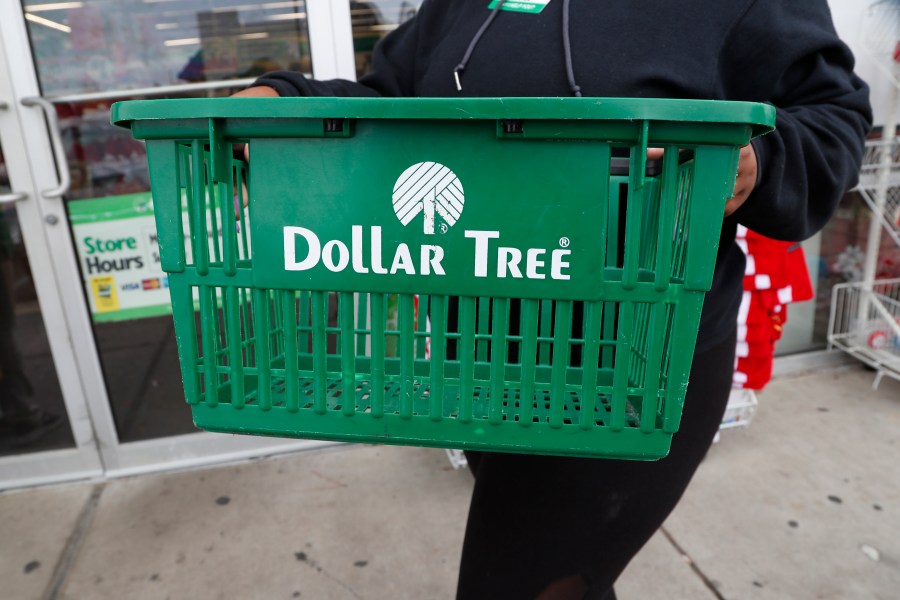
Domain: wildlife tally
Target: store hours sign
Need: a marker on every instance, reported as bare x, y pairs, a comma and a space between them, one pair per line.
118, 253
115, 238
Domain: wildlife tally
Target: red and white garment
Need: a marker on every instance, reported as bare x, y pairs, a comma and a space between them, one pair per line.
776, 275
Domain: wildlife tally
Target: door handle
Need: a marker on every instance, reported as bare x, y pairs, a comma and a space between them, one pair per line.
59, 152
12, 198
15, 196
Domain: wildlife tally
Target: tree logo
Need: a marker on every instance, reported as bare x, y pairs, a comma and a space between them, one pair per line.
431, 188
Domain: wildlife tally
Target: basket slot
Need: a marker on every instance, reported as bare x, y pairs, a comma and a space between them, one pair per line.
379, 315
289, 324
634, 210
466, 357
593, 312
304, 326
220, 176
226, 201
261, 333
406, 322
421, 309
561, 340
197, 202
545, 332
500, 326
668, 198
483, 325
617, 194
638, 362
622, 361
209, 192
438, 356
650, 402
208, 334
233, 344
319, 320
527, 356
242, 185
247, 310
681, 225
276, 323
348, 353
644, 360
362, 316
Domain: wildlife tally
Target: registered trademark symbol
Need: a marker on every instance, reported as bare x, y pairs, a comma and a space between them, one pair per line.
444, 228
564, 242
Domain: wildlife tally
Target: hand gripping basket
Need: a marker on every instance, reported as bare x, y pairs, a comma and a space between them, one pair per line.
496, 274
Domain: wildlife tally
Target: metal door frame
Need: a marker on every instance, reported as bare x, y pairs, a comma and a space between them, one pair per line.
34, 168
19, 149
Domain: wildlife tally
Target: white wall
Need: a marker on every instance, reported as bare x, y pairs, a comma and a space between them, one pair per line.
857, 27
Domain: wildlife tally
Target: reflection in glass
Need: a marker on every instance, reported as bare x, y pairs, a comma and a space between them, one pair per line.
842, 254
374, 19
103, 45
32, 413
110, 213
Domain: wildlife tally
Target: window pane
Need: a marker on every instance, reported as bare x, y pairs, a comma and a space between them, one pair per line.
110, 213
32, 413
372, 20
103, 45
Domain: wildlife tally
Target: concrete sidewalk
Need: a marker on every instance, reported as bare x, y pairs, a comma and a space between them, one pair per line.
803, 504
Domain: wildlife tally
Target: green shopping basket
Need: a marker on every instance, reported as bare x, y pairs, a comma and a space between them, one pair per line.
506, 274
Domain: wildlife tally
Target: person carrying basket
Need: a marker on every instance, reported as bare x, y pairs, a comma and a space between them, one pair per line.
559, 528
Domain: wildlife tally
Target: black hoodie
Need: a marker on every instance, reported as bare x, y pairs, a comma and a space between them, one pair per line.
784, 52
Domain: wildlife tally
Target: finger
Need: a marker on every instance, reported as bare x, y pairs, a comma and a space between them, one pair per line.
655, 153
745, 181
260, 91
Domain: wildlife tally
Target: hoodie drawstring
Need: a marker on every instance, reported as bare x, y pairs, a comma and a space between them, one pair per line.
567, 47
465, 59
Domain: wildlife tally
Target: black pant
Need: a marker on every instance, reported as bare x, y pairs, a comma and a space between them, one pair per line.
536, 519
14, 384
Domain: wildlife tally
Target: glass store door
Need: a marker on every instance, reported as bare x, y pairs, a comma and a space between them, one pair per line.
32, 412
45, 432
81, 57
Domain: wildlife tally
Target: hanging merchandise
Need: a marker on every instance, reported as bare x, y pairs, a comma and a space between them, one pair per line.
776, 275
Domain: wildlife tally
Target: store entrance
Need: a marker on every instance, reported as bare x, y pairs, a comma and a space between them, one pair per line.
95, 328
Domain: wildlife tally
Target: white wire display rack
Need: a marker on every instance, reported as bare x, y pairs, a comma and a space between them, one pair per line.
865, 316
865, 322
879, 39
879, 183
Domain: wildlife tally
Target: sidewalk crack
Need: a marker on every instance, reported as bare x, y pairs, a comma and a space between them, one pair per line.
690, 561
73, 545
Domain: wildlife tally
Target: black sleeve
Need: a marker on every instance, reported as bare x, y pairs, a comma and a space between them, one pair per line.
788, 54
392, 71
